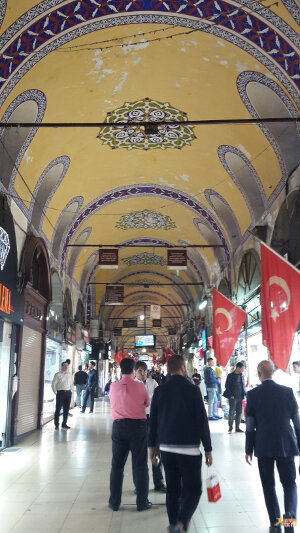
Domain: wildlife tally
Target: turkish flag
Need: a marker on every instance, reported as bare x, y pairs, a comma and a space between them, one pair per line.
228, 319
280, 305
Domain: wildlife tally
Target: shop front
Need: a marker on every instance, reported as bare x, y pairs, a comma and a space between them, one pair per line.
31, 362
11, 320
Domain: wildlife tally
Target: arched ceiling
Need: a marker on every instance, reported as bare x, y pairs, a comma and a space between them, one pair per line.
86, 62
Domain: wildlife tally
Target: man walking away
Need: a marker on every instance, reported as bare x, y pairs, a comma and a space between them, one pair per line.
270, 407
80, 380
62, 388
211, 383
235, 391
90, 387
128, 400
150, 384
178, 424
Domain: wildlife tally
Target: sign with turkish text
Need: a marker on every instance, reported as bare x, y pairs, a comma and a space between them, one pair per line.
228, 319
108, 258
177, 259
171, 331
114, 295
117, 332
155, 311
280, 305
130, 323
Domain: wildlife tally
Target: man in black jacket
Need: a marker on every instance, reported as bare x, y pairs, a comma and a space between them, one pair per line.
178, 424
90, 388
270, 407
235, 391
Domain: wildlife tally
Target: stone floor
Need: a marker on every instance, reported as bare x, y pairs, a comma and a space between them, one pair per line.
57, 482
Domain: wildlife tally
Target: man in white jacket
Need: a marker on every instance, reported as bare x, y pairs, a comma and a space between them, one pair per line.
141, 374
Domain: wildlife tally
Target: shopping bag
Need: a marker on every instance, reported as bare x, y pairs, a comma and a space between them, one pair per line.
213, 488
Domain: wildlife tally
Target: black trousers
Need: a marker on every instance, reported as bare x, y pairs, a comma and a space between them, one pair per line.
235, 408
63, 400
88, 394
157, 474
184, 486
287, 473
129, 435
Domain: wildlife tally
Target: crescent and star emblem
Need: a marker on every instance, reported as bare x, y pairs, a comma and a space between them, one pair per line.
222, 311
276, 280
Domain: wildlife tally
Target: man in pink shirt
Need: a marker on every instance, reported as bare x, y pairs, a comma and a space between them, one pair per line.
128, 400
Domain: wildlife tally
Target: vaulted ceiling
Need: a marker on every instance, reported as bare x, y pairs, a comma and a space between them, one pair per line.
79, 63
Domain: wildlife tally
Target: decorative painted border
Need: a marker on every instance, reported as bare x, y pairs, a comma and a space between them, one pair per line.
242, 81
65, 161
208, 193
293, 9
40, 99
252, 29
145, 190
86, 231
2, 10
79, 201
222, 151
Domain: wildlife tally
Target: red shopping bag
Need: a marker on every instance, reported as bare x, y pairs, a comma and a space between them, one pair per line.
213, 488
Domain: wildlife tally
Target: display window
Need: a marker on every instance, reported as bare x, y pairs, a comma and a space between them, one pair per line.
52, 365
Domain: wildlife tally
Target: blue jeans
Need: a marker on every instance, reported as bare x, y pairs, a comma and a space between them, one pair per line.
79, 389
129, 435
212, 402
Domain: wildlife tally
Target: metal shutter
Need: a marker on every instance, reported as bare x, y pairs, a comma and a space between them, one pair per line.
29, 380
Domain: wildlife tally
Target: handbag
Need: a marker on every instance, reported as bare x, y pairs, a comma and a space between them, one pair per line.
213, 488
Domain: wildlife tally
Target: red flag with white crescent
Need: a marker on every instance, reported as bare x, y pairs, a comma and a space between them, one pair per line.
228, 319
280, 305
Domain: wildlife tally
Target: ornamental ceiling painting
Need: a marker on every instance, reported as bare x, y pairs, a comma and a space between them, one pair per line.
71, 69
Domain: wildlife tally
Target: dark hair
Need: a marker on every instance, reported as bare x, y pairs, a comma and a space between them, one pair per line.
127, 365
175, 363
239, 365
80, 367
210, 359
93, 363
68, 361
141, 364
296, 363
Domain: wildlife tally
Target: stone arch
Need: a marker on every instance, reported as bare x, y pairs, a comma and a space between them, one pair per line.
27, 107
245, 178
285, 237
248, 275
45, 188
74, 253
224, 288
67, 305
225, 213
208, 234
68, 214
80, 314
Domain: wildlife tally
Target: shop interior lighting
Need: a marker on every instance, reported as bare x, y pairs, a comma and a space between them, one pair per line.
203, 304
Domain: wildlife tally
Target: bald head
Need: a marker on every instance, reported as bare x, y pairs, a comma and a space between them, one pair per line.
265, 370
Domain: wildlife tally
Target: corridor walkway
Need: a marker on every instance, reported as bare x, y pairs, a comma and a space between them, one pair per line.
57, 482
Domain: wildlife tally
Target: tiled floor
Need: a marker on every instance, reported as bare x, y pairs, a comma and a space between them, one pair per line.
58, 483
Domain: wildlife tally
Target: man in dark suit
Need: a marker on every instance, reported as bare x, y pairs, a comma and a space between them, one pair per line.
270, 407
178, 423
90, 388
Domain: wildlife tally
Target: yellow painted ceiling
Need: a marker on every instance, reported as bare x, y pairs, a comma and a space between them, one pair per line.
92, 75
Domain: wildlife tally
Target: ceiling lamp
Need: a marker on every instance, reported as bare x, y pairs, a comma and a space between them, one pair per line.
203, 304
142, 317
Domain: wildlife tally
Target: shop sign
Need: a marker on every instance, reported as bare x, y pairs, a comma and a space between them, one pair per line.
114, 295
155, 311
177, 259
55, 335
117, 332
88, 347
33, 311
86, 335
70, 334
11, 301
171, 331
156, 323
108, 258
131, 323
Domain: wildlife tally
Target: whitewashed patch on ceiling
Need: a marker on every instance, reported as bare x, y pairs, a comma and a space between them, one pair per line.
67, 215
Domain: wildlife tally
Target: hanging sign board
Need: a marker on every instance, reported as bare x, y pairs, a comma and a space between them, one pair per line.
131, 323
177, 259
117, 332
156, 323
171, 331
108, 258
114, 295
155, 311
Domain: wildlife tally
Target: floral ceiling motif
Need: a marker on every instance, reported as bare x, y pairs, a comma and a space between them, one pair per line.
146, 110
145, 219
144, 259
